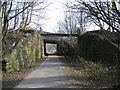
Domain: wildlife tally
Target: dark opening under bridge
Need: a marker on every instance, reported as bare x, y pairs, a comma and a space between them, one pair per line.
55, 38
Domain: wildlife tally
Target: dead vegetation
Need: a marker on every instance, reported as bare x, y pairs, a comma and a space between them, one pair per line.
87, 74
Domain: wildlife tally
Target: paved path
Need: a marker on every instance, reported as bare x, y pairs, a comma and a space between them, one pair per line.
50, 74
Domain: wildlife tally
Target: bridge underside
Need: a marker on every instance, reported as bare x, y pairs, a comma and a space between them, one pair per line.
59, 35
51, 42
63, 48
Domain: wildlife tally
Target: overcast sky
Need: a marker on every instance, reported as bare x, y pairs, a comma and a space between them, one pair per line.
52, 14
55, 13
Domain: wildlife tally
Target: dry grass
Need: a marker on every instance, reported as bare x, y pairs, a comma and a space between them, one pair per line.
87, 74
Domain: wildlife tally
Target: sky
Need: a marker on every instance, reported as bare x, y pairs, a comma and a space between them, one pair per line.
55, 13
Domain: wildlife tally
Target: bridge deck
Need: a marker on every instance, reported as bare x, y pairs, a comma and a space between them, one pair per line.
60, 35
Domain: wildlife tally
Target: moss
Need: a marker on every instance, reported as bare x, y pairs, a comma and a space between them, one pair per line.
27, 51
9, 67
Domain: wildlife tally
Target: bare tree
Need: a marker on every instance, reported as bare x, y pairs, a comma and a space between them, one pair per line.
18, 15
103, 14
75, 20
5, 14
69, 24
106, 12
6, 11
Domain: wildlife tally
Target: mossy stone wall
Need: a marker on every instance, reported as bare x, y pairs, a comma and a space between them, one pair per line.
27, 51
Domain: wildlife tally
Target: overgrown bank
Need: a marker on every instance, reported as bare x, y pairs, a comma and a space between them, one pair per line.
88, 74
87, 71
101, 46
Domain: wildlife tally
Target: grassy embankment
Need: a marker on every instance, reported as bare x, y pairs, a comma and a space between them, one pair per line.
95, 72
88, 74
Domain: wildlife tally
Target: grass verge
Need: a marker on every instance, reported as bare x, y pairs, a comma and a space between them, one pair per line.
88, 74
